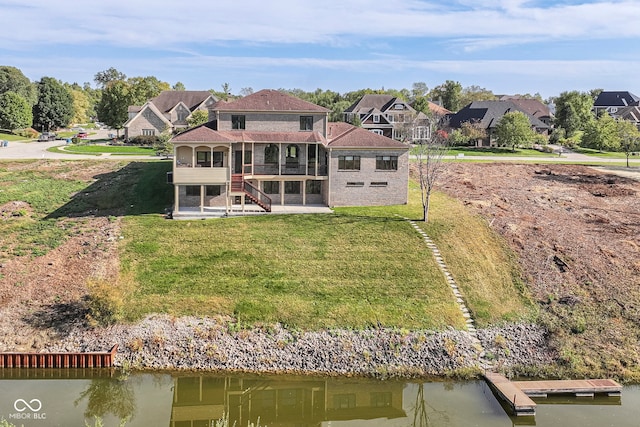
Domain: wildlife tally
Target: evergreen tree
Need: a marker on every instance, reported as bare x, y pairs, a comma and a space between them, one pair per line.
54, 108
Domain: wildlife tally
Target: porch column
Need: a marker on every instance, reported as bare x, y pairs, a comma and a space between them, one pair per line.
317, 159
193, 157
281, 193
176, 198
280, 158
201, 198
304, 192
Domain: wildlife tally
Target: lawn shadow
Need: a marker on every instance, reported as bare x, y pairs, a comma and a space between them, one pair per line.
138, 188
61, 318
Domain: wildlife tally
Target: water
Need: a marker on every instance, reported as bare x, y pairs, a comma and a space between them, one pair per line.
72, 398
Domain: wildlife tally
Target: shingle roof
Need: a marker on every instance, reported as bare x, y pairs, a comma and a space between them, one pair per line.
629, 113
488, 113
344, 135
375, 101
270, 100
532, 106
616, 99
202, 133
168, 99
207, 133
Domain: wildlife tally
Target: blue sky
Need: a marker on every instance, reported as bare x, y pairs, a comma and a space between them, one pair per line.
507, 46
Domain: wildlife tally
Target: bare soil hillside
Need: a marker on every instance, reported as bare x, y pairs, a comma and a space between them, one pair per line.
577, 233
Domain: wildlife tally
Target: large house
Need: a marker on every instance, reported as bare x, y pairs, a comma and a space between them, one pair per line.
392, 117
168, 111
487, 114
612, 101
270, 150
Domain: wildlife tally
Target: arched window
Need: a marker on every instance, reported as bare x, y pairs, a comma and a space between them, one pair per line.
271, 154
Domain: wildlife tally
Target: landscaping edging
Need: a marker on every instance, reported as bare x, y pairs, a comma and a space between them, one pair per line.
165, 343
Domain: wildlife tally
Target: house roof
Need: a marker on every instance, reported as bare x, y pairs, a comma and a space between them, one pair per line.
532, 106
269, 100
631, 113
488, 113
168, 99
134, 108
616, 99
345, 135
375, 101
436, 109
207, 133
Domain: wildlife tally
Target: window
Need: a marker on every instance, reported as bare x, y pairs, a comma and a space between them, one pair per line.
355, 184
218, 158
388, 163
203, 158
237, 122
391, 118
378, 183
311, 152
182, 115
148, 132
313, 187
271, 187
398, 106
213, 190
292, 151
421, 132
348, 162
380, 399
344, 401
376, 118
193, 190
377, 131
306, 122
271, 153
292, 187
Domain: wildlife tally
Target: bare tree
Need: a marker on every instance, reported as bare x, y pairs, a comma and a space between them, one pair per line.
430, 164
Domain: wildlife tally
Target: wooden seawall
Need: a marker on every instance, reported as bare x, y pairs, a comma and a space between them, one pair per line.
517, 394
59, 360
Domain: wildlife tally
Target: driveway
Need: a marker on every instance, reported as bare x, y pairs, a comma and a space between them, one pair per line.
38, 150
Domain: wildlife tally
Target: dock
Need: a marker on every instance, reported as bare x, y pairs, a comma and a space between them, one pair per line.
59, 360
517, 394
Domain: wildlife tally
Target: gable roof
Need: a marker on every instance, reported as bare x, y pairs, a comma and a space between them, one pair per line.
532, 106
375, 101
631, 113
488, 113
148, 106
204, 133
208, 133
168, 99
269, 100
616, 99
345, 135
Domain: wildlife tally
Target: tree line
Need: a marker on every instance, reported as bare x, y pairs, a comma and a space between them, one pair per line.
49, 104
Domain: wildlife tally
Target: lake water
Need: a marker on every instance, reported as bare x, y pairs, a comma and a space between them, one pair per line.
70, 397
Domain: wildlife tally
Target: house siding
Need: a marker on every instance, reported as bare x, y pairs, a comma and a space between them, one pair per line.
280, 122
395, 192
147, 120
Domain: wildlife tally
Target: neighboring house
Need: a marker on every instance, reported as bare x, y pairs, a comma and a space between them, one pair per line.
533, 107
487, 114
272, 149
611, 102
631, 114
169, 110
392, 117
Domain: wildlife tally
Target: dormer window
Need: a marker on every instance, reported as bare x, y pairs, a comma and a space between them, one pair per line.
398, 106
376, 118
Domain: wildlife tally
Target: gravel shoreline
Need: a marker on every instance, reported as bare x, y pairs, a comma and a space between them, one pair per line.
161, 342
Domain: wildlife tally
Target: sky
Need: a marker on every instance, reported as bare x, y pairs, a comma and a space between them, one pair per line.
506, 46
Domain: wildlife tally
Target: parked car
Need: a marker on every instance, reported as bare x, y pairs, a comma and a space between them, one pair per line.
82, 135
47, 136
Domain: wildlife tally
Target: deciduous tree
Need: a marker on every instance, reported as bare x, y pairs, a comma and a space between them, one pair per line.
15, 111
197, 118
54, 108
113, 106
142, 89
103, 78
514, 130
602, 134
629, 137
573, 111
12, 80
430, 163
449, 93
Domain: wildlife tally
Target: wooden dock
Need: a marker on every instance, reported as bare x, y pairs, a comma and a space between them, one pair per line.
518, 401
518, 394
59, 360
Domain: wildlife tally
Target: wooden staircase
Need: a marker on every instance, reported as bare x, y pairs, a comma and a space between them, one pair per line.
239, 185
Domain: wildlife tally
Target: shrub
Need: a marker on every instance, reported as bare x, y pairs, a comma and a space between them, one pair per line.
29, 133
144, 140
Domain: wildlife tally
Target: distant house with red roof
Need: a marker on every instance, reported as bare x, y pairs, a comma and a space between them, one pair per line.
270, 149
169, 110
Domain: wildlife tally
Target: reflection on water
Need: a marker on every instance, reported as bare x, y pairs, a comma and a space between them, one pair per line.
72, 397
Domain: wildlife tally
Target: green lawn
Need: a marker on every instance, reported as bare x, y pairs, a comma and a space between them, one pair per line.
605, 154
12, 137
506, 152
97, 150
356, 268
